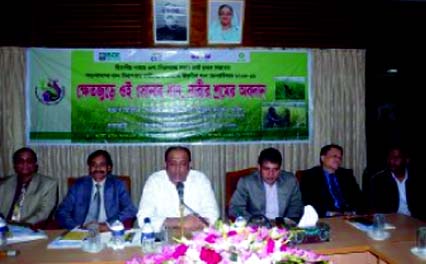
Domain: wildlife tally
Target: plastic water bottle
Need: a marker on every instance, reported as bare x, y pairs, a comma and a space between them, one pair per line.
240, 222
117, 240
3, 233
147, 236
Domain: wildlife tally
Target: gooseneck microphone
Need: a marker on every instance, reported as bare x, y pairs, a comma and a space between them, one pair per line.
179, 187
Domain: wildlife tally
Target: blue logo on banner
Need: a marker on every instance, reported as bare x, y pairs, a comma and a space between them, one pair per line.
109, 56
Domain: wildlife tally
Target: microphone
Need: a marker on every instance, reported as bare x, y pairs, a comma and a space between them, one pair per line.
197, 215
179, 187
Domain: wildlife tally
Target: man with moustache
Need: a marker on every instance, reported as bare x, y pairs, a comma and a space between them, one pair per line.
27, 197
160, 199
99, 197
329, 188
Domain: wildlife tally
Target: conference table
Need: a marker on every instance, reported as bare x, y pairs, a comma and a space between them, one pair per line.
347, 245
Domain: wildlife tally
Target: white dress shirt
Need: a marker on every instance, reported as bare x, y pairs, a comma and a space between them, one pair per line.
160, 199
271, 197
403, 206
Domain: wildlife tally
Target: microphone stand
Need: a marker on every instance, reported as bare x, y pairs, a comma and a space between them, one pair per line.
179, 188
181, 208
196, 214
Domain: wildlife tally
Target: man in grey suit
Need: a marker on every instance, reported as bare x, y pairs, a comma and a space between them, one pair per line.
27, 196
270, 191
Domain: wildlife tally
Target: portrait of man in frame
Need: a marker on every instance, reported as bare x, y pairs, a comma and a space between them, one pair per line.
171, 21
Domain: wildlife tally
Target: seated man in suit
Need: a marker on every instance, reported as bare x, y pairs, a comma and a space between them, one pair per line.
397, 189
330, 189
161, 199
270, 191
27, 197
100, 197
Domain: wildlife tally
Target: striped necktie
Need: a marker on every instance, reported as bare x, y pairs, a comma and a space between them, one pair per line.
17, 208
336, 193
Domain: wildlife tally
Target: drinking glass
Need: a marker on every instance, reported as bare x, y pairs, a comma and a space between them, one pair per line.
379, 224
92, 243
421, 239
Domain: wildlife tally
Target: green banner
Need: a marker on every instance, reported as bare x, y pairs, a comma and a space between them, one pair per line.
150, 96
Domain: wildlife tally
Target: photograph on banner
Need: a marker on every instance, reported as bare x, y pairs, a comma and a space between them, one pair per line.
290, 117
290, 88
225, 21
171, 21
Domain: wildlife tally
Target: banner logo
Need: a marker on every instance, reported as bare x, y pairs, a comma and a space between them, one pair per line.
50, 92
109, 56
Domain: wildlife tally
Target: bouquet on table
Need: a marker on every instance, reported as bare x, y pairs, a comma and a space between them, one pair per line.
233, 244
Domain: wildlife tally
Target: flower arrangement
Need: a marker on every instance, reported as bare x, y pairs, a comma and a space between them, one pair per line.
229, 244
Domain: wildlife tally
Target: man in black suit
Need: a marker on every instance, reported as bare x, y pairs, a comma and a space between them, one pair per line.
397, 189
330, 189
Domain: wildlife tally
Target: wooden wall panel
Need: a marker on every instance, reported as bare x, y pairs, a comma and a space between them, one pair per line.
267, 23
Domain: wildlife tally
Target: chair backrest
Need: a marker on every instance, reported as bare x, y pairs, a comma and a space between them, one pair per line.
231, 182
299, 174
124, 178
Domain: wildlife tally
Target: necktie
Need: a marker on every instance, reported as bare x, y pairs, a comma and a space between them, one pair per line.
17, 208
95, 205
335, 192
97, 201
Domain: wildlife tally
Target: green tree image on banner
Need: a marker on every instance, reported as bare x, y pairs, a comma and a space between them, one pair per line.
161, 96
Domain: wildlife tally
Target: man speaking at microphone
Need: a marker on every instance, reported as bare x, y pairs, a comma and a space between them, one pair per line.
178, 185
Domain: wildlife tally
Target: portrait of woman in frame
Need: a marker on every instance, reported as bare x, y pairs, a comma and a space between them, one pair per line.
225, 22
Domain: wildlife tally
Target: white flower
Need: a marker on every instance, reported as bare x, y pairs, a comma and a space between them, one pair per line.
193, 255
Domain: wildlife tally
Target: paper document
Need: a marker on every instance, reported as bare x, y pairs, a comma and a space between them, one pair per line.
365, 223
75, 238
75, 235
70, 239
18, 234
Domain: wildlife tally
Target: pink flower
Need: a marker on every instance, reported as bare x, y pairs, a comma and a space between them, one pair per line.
283, 247
211, 238
210, 256
232, 233
135, 260
263, 233
180, 251
270, 246
226, 245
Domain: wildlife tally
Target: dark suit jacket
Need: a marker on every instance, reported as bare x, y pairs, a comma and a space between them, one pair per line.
73, 210
315, 192
249, 197
385, 196
165, 33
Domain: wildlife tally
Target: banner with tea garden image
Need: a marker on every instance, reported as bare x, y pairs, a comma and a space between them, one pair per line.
147, 96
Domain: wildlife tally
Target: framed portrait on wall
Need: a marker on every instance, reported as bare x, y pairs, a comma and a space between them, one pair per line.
225, 21
171, 21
